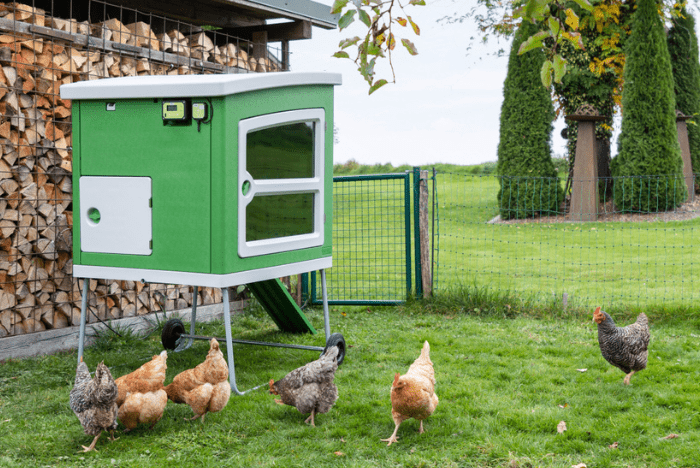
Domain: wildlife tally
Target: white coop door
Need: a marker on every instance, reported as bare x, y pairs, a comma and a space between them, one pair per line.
116, 215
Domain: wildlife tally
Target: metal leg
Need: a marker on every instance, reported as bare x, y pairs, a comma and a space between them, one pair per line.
185, 344
326, 321
229, 346
83, 318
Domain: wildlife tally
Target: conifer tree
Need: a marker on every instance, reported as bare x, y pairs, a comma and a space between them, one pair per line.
528, 180
648, 168
683, 49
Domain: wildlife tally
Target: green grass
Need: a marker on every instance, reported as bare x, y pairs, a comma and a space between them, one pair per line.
504, 385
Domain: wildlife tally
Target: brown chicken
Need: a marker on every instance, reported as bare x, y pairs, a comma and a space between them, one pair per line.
413, 394
141, 398
206, 387
623, 347
94, 401
310, 388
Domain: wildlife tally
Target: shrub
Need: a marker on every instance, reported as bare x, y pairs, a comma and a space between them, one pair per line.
528, 180
648, 143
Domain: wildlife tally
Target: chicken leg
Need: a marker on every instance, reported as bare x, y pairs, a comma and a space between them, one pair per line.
628, 377
393, 437
92, 445
311, 418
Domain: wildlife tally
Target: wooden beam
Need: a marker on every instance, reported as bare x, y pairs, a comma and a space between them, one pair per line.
198, 13
291, 31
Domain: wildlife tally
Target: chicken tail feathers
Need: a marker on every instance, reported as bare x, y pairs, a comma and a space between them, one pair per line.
425, 352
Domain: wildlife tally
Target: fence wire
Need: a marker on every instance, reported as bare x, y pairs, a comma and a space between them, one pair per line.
629, 254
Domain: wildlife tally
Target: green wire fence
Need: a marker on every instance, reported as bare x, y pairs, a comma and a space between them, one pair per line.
640, 250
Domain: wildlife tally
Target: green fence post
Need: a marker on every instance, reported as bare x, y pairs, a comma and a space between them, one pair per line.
407, 211
416, 230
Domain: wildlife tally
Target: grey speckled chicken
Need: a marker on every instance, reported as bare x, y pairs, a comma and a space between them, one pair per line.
310, 388
94, 401
623, 347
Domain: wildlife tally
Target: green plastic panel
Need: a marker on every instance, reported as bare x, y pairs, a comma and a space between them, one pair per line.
132, 140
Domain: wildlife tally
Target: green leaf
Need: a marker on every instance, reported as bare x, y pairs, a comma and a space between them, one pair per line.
341, 54
409, 46
374, 49
534, 9
401, 21
345, 43
533, 42
554, 26
347, 19
546, 74
367, 69
338, 6
415, 27
417, 2
584, 4
364, 17
377, 84
559, 66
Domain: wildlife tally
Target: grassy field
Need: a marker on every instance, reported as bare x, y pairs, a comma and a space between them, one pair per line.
504, 385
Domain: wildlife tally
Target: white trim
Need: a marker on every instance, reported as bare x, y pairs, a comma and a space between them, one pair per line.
314, 185
164, 86
201, 279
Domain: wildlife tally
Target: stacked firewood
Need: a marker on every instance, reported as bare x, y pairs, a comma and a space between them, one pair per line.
37, 55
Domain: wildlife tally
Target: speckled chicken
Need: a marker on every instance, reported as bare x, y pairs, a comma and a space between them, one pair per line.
94, 401
206, 387
413, 394
310, 388
141, 398
623, 347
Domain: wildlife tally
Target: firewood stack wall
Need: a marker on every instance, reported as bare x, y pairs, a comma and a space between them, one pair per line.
39, 53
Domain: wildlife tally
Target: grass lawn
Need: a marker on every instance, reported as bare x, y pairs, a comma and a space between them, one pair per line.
504, 386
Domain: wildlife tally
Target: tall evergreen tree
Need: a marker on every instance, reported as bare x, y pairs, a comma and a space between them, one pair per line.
683, 48
648, 167
528, 179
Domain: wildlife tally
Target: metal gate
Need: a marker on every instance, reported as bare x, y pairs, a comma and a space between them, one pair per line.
372, 241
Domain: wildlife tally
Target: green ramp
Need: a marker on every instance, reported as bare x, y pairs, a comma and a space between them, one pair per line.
280, 305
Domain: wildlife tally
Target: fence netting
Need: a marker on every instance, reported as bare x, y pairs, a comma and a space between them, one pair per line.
637, 247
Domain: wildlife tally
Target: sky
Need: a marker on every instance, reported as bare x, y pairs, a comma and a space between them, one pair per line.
444, 107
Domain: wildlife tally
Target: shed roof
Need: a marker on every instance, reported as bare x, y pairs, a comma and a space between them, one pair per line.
237, 13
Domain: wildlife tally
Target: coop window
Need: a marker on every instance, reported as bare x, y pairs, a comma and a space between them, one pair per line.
281, 164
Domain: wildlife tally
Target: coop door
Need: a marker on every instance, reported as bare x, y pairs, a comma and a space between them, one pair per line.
280, 174
115, 215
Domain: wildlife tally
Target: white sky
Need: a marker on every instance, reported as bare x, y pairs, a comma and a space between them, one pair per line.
446, 102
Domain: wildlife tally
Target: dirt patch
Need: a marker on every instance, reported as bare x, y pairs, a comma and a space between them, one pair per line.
608, 214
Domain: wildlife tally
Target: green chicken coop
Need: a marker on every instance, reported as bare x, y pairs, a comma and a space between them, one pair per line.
205, 180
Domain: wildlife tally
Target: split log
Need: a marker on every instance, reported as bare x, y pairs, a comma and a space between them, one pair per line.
142, 36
